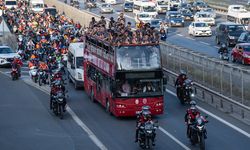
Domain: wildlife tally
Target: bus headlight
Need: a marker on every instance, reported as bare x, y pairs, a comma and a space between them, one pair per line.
120, 106
159, 104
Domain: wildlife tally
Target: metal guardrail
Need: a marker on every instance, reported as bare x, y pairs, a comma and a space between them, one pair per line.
212, 92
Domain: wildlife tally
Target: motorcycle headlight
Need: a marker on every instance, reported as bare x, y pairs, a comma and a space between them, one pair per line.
200, 127
149, 131
192, 95
231, 37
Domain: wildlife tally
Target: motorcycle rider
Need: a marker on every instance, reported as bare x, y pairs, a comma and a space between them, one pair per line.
56, 86
190, 117
223, 49
179, 83
17, 63
143, 116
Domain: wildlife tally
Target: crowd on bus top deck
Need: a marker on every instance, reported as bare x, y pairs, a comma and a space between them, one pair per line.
120, 32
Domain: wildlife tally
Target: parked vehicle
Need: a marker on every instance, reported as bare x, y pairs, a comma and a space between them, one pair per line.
204, 17
145, 7
210, 11
128, 6
7, 56
187, 14
75, 64
161, 6
241, 53
244, 37
106, 8
174, 18
228, 33
91, 3
144, 17
199, 29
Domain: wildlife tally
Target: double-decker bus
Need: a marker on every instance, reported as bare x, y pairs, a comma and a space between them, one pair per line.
124, 78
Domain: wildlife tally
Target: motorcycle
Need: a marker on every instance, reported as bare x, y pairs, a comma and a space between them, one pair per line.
224, 56
42, 77
58, 104
33, 73
147, 134
14, 74
186, 92
91, 4
198, 132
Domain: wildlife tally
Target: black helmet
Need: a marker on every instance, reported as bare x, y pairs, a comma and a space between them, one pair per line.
192, 103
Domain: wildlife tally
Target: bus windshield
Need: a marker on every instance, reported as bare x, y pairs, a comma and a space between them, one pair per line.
135, 87
138, 57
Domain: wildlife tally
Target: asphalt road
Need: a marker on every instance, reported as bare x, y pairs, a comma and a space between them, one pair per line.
25, 119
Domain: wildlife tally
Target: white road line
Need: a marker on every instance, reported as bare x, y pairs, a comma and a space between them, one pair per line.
91, 135
216, 46
204, 43
190, 38
180, 34
173, 138
218, 118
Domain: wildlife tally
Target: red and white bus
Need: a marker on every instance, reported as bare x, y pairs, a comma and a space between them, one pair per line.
124, 78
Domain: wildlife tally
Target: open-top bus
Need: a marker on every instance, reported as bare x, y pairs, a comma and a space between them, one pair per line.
124, 78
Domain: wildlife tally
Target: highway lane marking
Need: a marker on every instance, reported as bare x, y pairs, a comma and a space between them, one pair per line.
190, 38
180, 34
204, 43
173, 138
91, 135
216, 46
218, 118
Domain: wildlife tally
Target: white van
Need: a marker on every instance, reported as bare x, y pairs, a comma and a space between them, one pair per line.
10, 4
37, 5
75, 64
145, 7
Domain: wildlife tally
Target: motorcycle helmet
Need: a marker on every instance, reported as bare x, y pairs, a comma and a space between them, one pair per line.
192, 103
193, 109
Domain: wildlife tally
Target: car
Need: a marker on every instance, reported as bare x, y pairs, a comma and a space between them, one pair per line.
156, 23
199, 29
186, 6
144, 17
128, 6
187, 14
210, 11
204, 17
199, 5
228, 33
110, 2
174, 18
241, 53
7, 56
244, 37
161, 6
106, 8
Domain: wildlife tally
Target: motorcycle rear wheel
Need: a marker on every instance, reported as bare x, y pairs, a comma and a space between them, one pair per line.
202, 142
